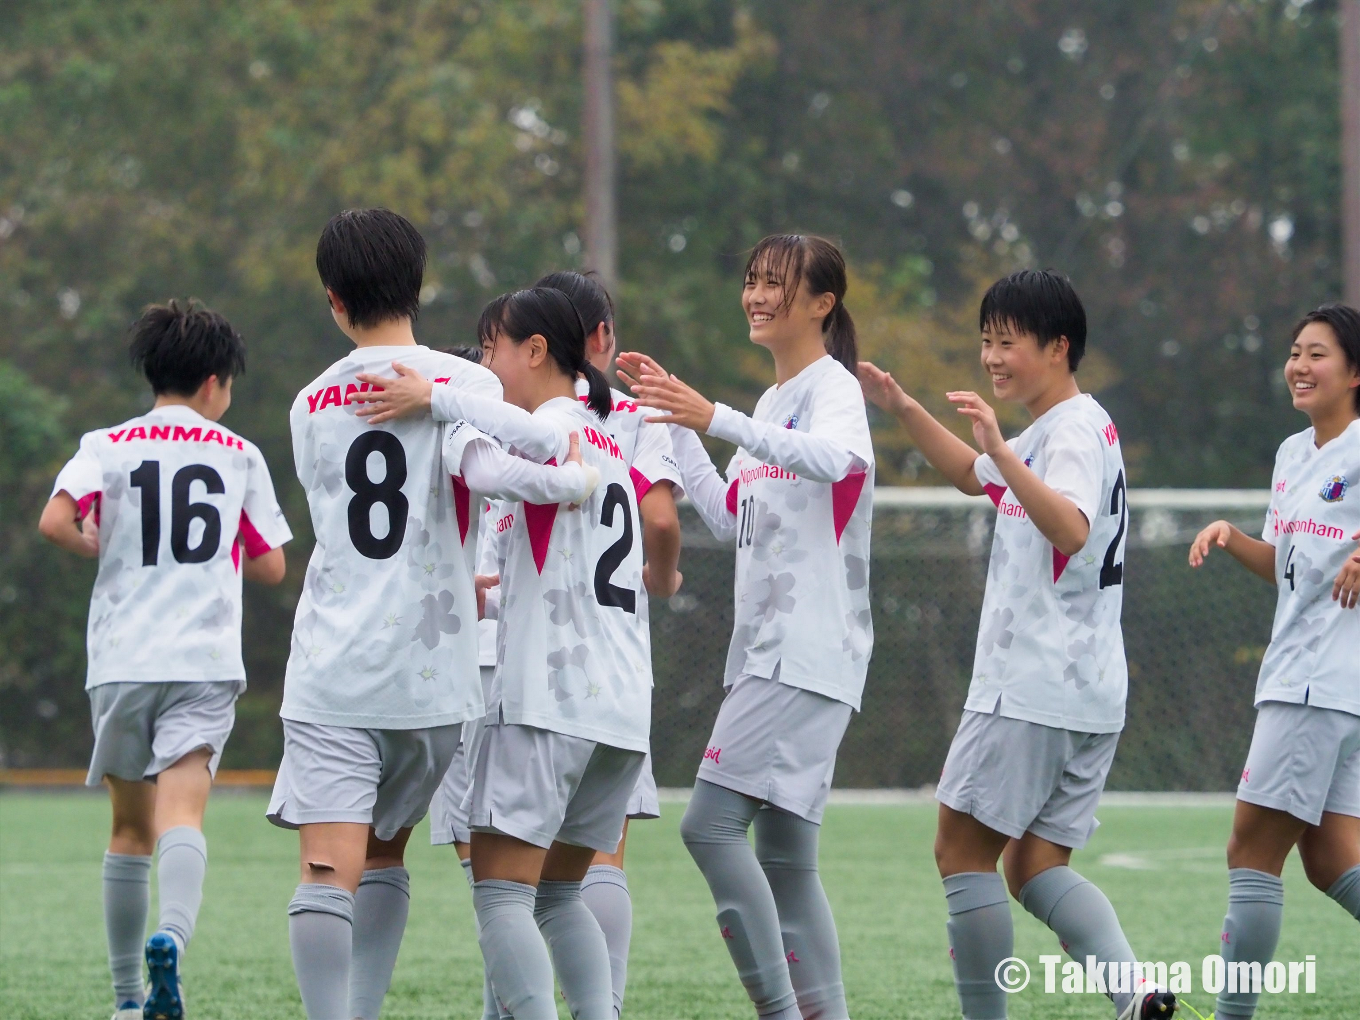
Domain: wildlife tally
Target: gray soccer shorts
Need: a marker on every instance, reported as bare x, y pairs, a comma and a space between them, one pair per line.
1303, 760
141, 729
644, 803
449, 808
540, 787
1015, 777
382, 778
777, 744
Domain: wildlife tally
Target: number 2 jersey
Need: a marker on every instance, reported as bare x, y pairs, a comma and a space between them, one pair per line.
1314, 653
385, 635
176, 498
1050, 645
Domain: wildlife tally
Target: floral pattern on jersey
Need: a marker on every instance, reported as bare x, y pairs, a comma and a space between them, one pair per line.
856, 572
1083, 670
307, 639
1304, 572
796, 496
773, 595
329, 468
567, 669
436, 618
219, 614
858, 639
572, 606
998, 632
329, 585
427, 565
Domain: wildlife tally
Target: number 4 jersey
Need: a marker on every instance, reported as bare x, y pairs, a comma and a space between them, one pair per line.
1050, 645
176, 498
385, 635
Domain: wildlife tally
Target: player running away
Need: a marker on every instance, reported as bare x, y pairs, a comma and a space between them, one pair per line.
1301, 783
383, 667
797, 500
1026, 768
656, 482
177, 508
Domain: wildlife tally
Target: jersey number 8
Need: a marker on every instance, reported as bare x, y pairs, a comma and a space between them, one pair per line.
368, 493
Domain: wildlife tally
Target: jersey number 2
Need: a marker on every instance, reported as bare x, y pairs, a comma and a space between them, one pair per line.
147, 477
607, 594
1112, 573
367, 493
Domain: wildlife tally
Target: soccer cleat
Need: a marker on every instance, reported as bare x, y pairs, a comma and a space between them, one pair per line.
164, 993
1156, 1005
129, 1010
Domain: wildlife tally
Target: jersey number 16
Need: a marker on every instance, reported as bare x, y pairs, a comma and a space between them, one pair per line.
183, 513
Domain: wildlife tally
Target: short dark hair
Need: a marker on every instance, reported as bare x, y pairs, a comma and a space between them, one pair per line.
587, 293
373, 260
472, 354
550, 314
1041, 302
178, 347
1345, 323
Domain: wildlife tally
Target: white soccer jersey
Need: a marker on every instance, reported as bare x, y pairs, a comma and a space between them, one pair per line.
385, 635
799, 502
488, 564
1050, 645
646, 446
176, 497
572, 645
1314, 653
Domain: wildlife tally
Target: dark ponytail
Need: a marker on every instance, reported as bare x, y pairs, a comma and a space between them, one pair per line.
587, 293
796, 259
550, 314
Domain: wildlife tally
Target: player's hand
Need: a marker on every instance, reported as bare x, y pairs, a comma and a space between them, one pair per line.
408, 394
592, 472
482, 582
656, 387
1346, 587
1216, 534
986, 431
882, 390
658, 590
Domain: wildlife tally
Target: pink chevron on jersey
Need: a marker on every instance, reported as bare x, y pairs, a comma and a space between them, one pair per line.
538, 520
844, 499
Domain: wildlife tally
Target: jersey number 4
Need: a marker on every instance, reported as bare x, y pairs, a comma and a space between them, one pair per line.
183, 513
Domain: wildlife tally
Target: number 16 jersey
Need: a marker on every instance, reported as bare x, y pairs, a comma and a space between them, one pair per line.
176, 497
385, 635
1050, 646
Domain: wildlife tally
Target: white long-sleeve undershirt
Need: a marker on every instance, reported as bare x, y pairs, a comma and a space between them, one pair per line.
491, 472
704, 486
806, 454
532, 437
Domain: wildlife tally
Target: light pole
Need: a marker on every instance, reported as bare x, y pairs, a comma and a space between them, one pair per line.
597, 129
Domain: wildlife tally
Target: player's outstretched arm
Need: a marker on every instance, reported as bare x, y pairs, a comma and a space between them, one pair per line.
947, 453
1346, 587
1254, 554
1058, 518
61, 525
490, 471
660, 541
267, 568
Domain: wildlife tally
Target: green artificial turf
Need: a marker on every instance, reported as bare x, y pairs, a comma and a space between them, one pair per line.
1162, 867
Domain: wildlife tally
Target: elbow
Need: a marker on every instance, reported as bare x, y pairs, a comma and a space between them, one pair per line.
1072, 543
268, 568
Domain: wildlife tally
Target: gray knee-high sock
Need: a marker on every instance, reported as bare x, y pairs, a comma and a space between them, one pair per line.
179, 877
714, 831
580, 954
320, 933
380, 909
1346, 891
605, 893
1086, 925
127, 898
981, 935
515, 954
1251, 930
786, 847
490, 1008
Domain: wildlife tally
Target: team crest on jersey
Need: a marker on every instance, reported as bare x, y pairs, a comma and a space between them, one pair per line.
791, 422
1334, 489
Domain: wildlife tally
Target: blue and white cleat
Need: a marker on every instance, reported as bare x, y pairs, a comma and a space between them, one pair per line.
130, 1010
164, 992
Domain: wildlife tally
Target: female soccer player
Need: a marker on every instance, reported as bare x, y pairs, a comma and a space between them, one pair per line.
797, 500
1045, 707
1301, 783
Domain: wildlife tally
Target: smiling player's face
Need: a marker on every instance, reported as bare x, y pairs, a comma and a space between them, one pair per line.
1317, 373
1019, 368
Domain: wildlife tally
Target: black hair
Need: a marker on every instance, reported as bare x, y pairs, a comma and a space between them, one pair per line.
1345, 323
798, 258
1041, 302
472, 354
587, 293
550, 314
373, 260
178, 347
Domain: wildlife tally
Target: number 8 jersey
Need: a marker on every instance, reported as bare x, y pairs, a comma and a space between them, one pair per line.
385, 635
1050, 646
176, 497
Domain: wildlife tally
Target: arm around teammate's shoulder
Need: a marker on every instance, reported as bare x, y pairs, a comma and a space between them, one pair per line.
490, 471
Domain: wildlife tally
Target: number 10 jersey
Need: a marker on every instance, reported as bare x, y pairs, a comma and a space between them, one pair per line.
176, 497
385, 635
1050, 646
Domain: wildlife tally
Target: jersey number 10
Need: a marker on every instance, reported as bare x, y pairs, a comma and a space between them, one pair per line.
147, 477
